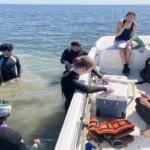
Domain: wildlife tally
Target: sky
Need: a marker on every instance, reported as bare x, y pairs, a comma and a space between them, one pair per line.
140, 2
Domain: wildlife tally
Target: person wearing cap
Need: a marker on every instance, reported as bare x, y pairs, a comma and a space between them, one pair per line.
10, 67
11, 139
125, 31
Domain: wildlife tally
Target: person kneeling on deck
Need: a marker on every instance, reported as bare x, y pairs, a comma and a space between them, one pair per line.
10, 67
73, 52
125, 31
70, 81
9, 138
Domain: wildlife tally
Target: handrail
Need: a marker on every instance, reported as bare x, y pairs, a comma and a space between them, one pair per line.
72, 124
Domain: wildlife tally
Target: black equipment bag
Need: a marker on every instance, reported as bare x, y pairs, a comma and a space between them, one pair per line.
143, 111
145, 73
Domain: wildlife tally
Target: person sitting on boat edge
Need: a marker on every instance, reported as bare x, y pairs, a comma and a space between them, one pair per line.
70, 80
11, 139
10, 67
126, 29
74, 51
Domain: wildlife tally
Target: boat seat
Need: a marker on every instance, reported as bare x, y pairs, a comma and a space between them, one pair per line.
108, 57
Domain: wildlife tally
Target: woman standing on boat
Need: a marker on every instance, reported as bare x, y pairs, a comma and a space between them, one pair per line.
125, 31
70, 81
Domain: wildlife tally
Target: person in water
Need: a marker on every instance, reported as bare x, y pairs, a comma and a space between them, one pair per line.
126, 29
73, 52
11, 139
70, 80
10, 67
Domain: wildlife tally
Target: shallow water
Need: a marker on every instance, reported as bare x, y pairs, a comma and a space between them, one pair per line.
37, 108
40, 34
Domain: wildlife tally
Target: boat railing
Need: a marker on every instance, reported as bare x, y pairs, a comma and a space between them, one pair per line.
69, 138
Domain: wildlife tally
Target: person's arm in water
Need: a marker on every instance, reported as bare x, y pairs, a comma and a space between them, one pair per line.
64, 56
18, 67
1, 79
64, 60
1, 76
35, 146
88, 89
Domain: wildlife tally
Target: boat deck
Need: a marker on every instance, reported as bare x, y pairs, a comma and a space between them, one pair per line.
140, 142
72, 137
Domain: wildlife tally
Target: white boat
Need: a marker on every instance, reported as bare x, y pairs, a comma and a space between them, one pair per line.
72, 136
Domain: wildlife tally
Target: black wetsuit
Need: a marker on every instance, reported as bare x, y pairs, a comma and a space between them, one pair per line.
69, 55
11, 140
126, 34
10, 68
70, 82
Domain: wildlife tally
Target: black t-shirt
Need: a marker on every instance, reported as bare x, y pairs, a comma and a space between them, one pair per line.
10, 68
11, 140
126, 34
69, 55
70, 82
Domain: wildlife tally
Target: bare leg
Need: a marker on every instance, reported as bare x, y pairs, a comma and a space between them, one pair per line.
125, 55
128, 55
122, 53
